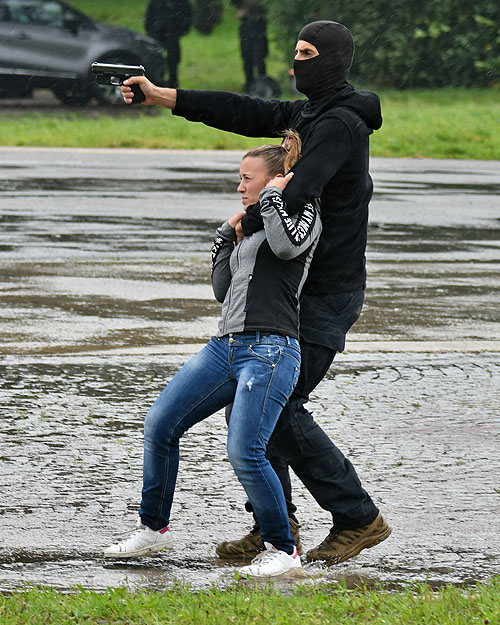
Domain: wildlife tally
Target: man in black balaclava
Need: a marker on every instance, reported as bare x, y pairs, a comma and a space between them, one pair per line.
335, 122
318, 76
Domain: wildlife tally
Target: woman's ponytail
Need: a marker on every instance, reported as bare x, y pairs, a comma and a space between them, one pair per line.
279, 159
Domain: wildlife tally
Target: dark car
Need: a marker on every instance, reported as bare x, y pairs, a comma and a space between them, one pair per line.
48, 44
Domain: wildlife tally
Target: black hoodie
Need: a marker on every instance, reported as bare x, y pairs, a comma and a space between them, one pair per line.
333, 167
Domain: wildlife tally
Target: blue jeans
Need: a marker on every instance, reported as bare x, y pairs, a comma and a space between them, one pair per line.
257, 374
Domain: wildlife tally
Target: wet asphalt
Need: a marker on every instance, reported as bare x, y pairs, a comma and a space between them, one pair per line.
104, 279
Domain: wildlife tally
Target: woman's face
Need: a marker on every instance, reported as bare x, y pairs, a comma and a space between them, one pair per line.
254, 177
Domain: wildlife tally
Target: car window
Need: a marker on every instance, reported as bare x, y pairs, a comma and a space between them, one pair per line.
47, 13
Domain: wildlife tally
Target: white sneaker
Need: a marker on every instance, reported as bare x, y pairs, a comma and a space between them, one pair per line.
271, 563
144, 541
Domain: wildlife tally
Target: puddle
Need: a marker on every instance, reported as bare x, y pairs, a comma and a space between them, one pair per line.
71, 470
104, 292
106, 186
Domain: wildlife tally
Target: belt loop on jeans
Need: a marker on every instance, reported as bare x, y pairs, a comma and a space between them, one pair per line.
257, 336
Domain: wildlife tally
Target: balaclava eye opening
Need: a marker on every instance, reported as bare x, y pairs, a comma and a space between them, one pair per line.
320, 76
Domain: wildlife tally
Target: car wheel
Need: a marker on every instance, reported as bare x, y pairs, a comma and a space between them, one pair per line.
108, 95
264, 87
10, 89
71, 95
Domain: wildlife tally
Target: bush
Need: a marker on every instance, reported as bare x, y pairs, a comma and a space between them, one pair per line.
402, 44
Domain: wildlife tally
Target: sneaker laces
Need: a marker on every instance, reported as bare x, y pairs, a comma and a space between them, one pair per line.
263, 556
139, 527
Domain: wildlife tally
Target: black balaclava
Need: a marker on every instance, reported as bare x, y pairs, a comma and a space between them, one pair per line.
320, 76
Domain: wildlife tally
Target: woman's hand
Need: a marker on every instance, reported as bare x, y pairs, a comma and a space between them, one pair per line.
239, 232
235, 222
280, 181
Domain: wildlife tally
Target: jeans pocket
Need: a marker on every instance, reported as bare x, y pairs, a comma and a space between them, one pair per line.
270, 354
291, 365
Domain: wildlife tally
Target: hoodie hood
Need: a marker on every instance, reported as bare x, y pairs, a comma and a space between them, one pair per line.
364, 103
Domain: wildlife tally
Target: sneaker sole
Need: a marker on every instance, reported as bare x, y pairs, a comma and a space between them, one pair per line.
373, 541
245, 555
296, 571
124, 555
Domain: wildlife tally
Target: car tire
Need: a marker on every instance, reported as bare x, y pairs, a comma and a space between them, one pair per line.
70, 95
108, 95
16, 90
264, 87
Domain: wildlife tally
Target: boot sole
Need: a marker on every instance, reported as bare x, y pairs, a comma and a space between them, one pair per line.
357, 549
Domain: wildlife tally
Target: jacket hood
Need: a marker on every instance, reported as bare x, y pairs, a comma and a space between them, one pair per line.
364, 103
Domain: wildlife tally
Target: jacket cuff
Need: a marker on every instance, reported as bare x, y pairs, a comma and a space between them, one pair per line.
227, 232
268, 192
187, 100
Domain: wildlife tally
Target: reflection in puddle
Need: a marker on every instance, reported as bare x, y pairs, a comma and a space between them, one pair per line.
105, 186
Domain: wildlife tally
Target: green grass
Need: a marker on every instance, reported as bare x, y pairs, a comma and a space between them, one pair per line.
105, 131
449, 123
322, 605
446, 124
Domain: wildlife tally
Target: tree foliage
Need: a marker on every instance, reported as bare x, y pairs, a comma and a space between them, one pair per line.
428, 44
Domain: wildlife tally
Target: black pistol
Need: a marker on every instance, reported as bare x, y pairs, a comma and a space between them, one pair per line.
111, 74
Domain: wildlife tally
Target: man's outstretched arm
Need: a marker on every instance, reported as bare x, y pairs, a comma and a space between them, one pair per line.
232, 112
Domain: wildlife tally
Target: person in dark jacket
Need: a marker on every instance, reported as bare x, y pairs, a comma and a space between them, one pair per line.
335, 122
253, 361
167, 21
253, 38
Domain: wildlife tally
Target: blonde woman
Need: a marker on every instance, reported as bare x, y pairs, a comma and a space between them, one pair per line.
253, 362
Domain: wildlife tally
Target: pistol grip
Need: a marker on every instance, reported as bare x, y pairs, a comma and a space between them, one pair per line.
138, 94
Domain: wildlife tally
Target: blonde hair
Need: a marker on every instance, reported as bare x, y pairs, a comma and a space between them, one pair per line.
279, 159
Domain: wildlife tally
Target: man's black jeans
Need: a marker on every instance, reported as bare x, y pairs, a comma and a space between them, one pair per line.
299, 442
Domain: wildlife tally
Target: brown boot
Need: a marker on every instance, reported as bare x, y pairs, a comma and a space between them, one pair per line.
340, 545
251, 545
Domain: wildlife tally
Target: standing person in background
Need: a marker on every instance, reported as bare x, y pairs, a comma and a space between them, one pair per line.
166, 21
253, 39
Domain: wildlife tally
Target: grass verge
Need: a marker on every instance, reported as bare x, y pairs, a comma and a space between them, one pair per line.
445, 124
418, 605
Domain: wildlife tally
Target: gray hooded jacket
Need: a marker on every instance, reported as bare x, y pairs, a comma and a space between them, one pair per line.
259, 280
